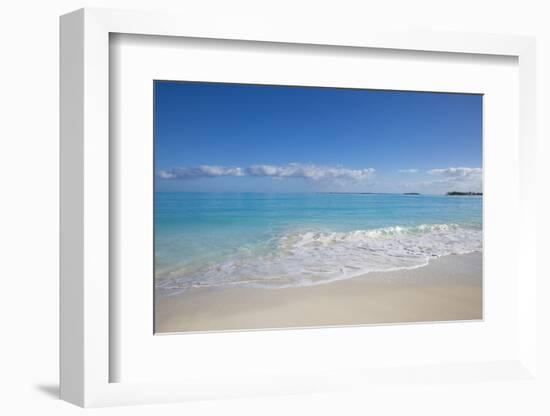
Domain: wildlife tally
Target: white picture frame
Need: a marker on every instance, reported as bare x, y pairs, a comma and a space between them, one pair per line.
86, 290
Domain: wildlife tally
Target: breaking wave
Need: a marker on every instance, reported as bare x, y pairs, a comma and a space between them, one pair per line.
315, 257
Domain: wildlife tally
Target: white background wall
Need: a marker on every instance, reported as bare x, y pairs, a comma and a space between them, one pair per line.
29, 200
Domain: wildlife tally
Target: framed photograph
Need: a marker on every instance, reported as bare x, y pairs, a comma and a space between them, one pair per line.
312, 202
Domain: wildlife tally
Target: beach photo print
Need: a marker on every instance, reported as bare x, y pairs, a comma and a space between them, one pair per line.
295, 207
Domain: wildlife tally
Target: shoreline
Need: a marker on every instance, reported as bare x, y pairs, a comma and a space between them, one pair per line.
448, 288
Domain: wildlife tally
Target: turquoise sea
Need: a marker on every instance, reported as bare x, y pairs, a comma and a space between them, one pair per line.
276, 240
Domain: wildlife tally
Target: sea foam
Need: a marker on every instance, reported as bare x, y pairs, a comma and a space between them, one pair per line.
315, 257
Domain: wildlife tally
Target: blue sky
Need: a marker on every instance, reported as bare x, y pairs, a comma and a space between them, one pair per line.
247, 138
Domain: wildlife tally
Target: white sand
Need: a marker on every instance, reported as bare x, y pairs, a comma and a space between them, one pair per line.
448, 288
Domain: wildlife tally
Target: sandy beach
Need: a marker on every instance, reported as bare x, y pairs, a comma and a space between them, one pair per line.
448, 288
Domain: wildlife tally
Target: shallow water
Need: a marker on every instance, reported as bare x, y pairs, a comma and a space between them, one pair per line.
282, 240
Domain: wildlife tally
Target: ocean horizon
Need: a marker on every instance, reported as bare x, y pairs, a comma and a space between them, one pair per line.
277, 240
311, 192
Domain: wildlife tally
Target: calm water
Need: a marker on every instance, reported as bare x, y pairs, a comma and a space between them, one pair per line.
281, 240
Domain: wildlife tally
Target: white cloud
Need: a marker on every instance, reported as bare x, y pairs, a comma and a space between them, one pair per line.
408, 171
203, 171
312, 172
457, 179
293, 170
456, 172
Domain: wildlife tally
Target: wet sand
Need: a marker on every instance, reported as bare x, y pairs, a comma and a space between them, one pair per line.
448, 288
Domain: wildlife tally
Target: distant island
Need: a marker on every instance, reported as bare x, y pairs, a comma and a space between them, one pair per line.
355, 193
411, 193
455, 193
